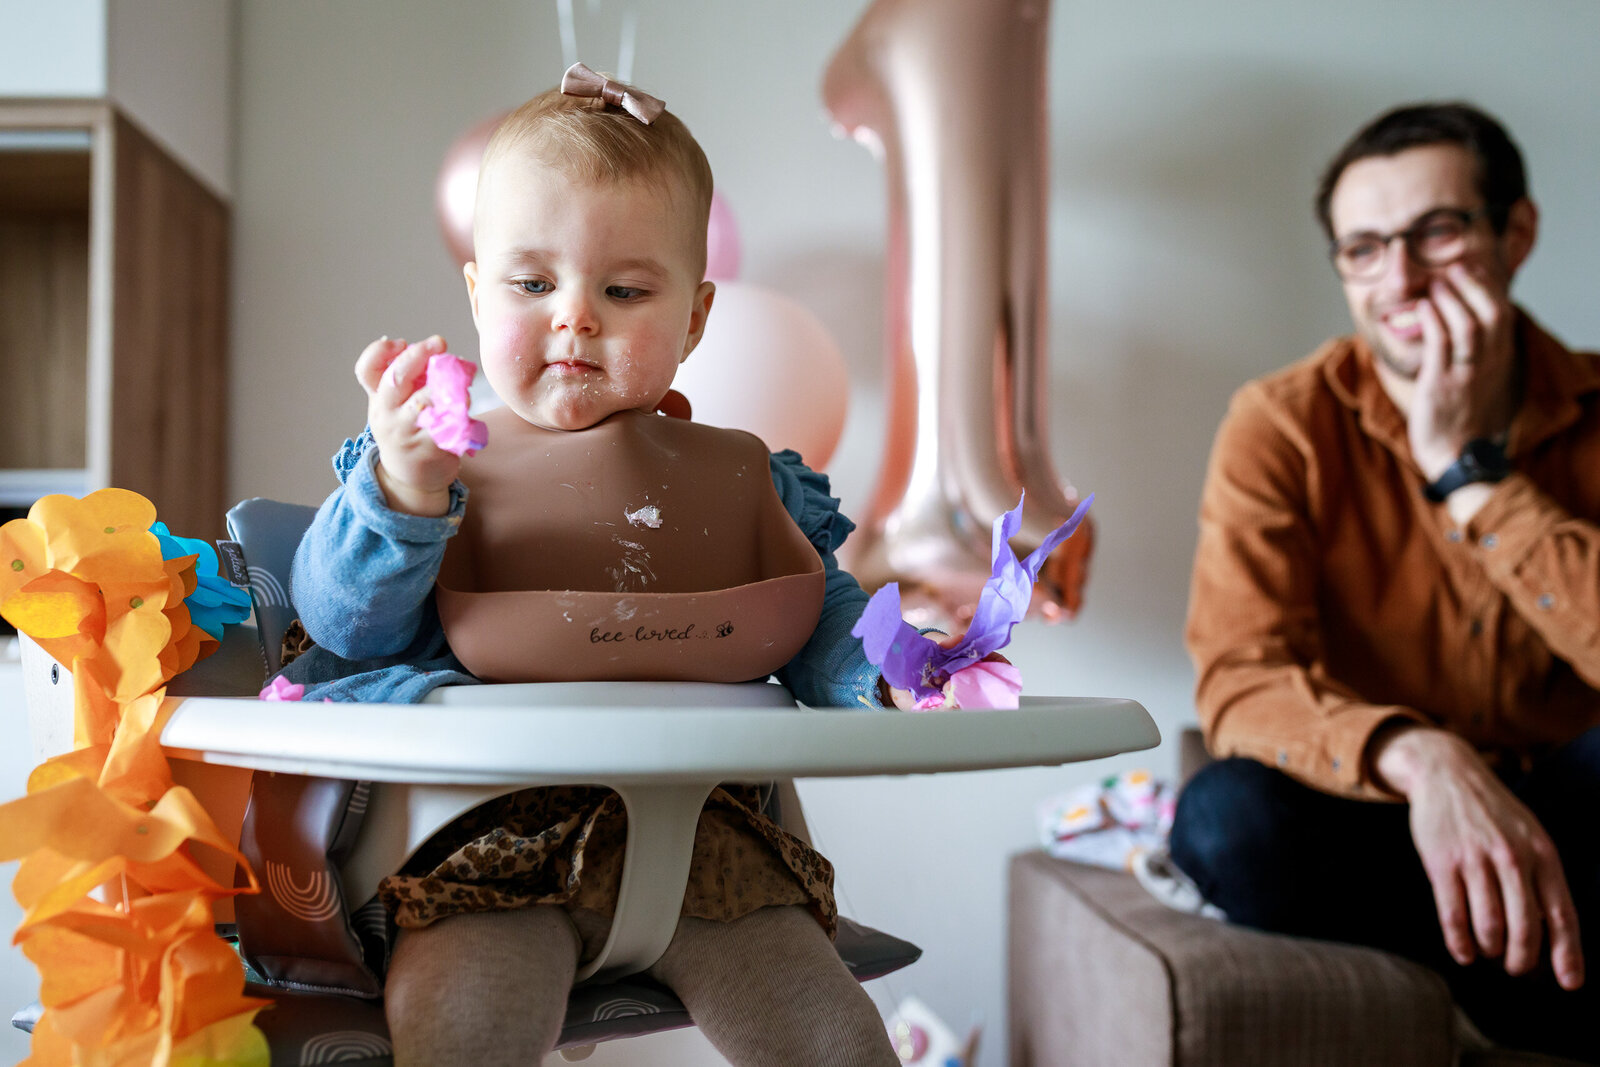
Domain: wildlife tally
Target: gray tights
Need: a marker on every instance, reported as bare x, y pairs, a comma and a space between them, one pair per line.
490, 988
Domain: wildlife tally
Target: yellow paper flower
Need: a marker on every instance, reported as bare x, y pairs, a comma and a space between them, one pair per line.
65, 614
187, 643
23, 555
95, 709
142, 980
106, 533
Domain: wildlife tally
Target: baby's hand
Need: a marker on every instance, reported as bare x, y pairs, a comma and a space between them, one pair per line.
414, 472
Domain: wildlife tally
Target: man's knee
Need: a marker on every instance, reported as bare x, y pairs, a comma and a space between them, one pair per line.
1234, 813
1255, 841
1572, 771
1563, 792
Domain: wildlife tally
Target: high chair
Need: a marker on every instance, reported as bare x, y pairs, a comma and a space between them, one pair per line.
327, 800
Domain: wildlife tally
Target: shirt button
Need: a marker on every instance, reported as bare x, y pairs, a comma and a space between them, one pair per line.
1476, 627
1454, 537
1489, 541
1547, 602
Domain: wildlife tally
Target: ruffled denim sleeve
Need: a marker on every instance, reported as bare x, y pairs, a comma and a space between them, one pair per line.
350, 455
363, 574
831, 671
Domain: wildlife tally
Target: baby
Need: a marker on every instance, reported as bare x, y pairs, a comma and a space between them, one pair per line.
587, 292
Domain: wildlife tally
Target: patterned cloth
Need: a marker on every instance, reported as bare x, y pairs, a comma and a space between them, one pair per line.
563, 845
296, 642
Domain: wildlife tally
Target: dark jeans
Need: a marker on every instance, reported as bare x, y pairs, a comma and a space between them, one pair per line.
1280, 856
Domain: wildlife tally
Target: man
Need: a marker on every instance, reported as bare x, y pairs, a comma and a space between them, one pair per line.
1395, 610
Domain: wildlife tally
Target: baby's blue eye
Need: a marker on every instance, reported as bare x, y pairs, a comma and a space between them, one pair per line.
535, 286
624, 292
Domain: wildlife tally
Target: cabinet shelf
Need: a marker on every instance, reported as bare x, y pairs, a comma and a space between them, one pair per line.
113, 302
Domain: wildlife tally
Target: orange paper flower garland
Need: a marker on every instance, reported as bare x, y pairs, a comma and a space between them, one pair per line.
133, 975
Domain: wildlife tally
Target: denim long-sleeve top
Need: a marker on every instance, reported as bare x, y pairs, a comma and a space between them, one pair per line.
363, 576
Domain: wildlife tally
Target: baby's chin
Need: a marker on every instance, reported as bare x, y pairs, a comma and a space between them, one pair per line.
569, 418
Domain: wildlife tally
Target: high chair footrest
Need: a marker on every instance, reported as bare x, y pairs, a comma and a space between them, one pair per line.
315, 1028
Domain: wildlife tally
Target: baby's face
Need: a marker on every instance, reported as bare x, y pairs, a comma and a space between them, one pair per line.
586, 297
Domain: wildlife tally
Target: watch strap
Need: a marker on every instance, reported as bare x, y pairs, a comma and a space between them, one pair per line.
1481, 460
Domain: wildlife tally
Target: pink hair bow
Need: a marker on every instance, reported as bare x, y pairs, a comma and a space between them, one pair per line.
579, 80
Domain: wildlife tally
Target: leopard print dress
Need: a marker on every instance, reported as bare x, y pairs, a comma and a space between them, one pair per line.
563, 845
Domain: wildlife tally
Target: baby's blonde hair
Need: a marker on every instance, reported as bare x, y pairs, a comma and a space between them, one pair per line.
592, 141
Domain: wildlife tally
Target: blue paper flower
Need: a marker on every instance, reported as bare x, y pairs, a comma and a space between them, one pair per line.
215, 602
916, 663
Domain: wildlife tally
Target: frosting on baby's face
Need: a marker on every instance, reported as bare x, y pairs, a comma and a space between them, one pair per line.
586, 295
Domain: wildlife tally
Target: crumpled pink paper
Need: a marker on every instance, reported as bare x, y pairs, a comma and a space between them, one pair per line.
445, 418
987, 684
281, 688
914, 662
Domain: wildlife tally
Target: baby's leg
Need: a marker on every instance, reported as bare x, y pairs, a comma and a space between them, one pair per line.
486, 988
769, 989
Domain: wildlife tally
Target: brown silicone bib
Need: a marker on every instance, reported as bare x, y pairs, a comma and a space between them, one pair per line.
642, 548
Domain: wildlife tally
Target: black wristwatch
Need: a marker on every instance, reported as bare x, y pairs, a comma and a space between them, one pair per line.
1481, 460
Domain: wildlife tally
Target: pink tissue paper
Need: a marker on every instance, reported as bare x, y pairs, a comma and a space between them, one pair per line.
445, 418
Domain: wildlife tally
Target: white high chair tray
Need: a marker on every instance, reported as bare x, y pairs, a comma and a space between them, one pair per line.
473, 737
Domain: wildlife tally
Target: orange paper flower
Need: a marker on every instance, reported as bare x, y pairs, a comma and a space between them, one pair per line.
141, 980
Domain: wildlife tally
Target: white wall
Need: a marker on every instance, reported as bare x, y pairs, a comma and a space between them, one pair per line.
1186, 136
55, 49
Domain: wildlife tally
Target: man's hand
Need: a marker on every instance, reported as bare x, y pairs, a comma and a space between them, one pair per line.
415, 473
1465, 382
1497, 880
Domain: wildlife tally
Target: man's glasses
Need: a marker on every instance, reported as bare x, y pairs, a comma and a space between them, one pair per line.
1440, 237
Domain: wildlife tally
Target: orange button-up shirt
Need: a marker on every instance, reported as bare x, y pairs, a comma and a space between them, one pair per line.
1330, 596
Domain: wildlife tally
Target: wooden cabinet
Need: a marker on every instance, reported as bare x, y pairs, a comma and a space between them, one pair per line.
113, 316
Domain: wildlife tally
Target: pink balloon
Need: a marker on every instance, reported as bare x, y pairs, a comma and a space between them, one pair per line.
722, 242
456, 190
766, 364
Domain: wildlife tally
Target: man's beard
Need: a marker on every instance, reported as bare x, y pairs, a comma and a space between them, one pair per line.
1385, 355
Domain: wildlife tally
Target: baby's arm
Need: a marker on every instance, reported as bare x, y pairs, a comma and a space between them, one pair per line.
830, 670
414, 473
363, 571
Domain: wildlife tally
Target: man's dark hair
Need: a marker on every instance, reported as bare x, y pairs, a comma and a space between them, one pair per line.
1501, 179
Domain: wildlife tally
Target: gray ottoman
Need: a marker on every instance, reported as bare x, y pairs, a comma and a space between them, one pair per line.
1101, 973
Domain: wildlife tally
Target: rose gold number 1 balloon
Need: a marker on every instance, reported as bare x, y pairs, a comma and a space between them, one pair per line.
951, 96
